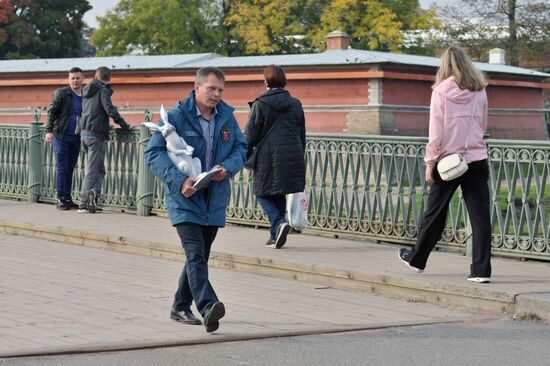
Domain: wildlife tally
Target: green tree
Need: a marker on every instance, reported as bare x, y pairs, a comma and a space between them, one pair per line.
267, 26
418, 26
6, 13
44, 29
372, 24
86, 48
162, 27
369, 24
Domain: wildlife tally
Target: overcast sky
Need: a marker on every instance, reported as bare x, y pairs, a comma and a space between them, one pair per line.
100, 7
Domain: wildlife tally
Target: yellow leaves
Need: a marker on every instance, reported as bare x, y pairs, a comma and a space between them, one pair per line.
426, 20
379, 27
369, 23
264, 25
255, 26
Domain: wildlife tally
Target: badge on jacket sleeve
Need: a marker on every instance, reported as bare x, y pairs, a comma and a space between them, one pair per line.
226, 135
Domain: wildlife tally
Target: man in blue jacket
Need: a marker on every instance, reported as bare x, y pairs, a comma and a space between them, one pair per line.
208, 125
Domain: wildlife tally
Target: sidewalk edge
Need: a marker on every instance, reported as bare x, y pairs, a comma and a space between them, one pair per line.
390, 286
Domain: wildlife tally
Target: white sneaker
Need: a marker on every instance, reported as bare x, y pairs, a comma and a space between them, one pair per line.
479, 279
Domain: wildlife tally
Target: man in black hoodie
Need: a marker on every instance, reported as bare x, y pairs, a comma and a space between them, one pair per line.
94, 132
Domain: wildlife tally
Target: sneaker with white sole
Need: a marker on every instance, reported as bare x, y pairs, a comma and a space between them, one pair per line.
91, 201
479, 279
270, 244
402, 254
282, 232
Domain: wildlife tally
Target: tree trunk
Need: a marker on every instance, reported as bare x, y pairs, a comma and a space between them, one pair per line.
512, 43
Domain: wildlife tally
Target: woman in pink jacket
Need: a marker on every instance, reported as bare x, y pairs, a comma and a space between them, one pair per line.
458, 112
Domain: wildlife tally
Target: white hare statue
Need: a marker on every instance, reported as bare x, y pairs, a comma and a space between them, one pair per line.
179, 151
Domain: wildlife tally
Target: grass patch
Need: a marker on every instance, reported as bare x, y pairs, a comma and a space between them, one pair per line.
527, 317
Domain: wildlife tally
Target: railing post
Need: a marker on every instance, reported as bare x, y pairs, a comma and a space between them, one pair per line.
146, 179
36, 146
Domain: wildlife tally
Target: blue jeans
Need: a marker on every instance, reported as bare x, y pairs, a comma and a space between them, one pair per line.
66, 156
193, 283
95, 165
275, 208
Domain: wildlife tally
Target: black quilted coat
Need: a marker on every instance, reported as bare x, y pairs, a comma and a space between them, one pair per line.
280, 166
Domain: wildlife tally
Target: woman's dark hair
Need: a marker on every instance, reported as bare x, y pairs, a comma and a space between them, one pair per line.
274, 76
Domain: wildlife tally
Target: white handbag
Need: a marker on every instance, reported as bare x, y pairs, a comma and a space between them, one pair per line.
454, 165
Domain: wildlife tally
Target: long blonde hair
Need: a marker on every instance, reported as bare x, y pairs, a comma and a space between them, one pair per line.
456, 63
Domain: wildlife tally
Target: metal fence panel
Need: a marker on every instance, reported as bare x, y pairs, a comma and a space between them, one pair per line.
14, 157
368, 186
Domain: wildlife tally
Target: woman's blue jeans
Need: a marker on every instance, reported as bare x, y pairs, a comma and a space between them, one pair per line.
275, 208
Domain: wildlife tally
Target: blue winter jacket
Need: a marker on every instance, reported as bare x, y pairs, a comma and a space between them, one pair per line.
229, 147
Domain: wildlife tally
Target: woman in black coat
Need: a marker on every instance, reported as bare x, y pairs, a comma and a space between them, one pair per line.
280, 166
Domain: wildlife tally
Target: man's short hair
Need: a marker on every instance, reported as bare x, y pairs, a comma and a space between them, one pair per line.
103, 73
203, 72
75, 69
274, 76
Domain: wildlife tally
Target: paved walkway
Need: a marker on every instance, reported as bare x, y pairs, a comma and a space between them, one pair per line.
57, 298
517, 287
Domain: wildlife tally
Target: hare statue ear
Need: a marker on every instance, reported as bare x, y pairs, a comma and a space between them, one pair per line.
153, 127
163, 114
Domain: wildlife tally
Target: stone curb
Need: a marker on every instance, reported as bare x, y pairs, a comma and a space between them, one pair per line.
390, 286
215, 338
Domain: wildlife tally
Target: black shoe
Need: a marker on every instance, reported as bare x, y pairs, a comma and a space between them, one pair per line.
402, 255
71, 204
282, 232
186, 317
82, 208
270, 244
90, 202
213, 314
60, 205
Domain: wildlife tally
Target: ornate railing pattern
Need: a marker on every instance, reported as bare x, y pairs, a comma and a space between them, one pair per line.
369, 186
120, 185
361, 185
520, 196
14, 155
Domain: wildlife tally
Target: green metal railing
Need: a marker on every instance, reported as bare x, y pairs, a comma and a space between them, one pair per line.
368, 186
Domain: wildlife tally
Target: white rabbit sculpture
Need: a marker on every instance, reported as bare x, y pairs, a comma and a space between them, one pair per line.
178, 150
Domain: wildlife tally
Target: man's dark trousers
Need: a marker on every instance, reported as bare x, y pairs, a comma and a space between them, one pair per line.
66, 156
275, 209
476, 195
193, 283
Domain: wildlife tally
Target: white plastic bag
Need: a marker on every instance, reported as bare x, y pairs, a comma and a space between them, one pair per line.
296, 209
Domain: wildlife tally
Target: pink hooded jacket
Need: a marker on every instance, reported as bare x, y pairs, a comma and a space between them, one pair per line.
450, 110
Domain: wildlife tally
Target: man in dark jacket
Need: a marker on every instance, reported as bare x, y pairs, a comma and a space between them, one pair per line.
276, 130
63, 114
208, 125
94, 131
